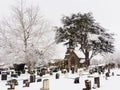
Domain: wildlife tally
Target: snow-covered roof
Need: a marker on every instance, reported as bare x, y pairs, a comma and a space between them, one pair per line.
82, 60
55, 60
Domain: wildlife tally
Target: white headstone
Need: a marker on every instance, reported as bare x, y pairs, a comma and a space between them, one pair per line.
46, 83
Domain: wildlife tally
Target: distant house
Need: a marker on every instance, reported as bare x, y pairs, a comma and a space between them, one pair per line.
56, 62
71, 58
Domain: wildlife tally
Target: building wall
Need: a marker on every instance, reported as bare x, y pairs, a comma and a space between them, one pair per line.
73, 57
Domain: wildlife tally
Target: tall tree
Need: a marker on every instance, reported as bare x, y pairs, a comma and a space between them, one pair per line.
84, 32
27, 33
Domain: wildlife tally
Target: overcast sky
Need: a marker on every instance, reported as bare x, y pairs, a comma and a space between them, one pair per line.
106, 12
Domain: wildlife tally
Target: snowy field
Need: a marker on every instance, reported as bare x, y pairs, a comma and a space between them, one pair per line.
66, 81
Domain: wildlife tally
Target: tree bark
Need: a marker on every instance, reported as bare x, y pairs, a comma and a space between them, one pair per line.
87, 61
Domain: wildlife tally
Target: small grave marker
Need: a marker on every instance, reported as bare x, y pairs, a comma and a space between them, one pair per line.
97, 81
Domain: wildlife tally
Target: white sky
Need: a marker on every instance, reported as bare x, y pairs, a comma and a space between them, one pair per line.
106, 12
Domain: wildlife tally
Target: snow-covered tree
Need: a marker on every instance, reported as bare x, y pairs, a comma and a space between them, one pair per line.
25, 34
83, 31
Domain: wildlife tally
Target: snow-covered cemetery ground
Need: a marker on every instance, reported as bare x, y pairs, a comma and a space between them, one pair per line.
66, 81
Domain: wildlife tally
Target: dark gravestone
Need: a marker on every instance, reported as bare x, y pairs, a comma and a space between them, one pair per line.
23, 71
4, 76
112, 73
51, 73
12, 81
72, 70
19, 67
107, 74
14, 75
41, 74
88, 84
8, 73
18, 72
24, 81
57, 76
118, 74
55, 70
38, 72
27, 84
68, 70
84, 88
32, 78
97, 81
34, 71
12, 72
43, 70
108, 70
76, 80
39, 80
99, 72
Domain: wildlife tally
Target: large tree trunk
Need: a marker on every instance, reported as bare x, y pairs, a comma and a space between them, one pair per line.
29, 67
87, 61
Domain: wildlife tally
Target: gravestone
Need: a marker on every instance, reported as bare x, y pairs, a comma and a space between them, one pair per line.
99, 72
23, 71
12, 72
51, 73
84, 88
38, 72
12, 86
73, 69
14, 75
32, 78
4, 76
39, 80
88, 84
14, 81
68, 70
45, 84
108, 70
57, 75
112, 73
97, 81
34, 71
107, 75
76, 80
24, 81
8, 73
41, 74
27, 84
18, 73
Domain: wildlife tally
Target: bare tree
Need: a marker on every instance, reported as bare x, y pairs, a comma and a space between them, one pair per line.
28, 33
